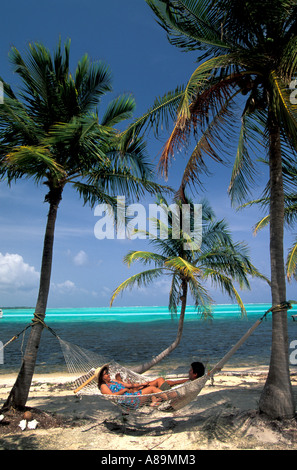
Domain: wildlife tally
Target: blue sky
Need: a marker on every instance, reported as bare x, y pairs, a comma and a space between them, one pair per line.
86, 270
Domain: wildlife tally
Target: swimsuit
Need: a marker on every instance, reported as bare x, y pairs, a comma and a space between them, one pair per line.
116, 387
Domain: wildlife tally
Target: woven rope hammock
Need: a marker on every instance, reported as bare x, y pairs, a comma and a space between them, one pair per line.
78, 358
84, 363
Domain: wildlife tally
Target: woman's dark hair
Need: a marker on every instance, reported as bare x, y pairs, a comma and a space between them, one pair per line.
100, 376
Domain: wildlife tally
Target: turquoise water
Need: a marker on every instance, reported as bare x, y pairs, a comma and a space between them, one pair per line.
132, 335
132, 314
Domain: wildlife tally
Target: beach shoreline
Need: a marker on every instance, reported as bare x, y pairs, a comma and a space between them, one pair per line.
223, 417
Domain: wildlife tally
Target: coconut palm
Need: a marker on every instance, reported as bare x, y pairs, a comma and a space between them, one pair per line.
192, 257
52, 132
247, 53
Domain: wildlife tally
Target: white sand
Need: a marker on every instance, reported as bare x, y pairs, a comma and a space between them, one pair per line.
217, 419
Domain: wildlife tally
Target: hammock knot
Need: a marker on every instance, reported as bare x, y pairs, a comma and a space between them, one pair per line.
280, 307
39, 318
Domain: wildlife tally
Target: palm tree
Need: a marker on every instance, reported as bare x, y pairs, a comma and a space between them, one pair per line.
248, 62
52, 133
214, 257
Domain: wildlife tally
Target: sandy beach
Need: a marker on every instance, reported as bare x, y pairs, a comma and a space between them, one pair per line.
223, 417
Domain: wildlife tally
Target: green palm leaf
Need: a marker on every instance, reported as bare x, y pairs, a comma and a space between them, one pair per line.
157, 116
32, 161
284, 108
118, 110
141, 279
292, 262
197, 31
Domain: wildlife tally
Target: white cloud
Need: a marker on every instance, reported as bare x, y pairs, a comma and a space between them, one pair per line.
81, 258
16, 274
69, 288
64, 287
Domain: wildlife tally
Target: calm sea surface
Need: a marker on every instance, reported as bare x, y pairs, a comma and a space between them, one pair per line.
133, 335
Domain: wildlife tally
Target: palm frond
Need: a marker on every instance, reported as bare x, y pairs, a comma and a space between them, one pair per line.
174, 294
92, 195
16, 123
226, 285
202, 299
33, 161
261, 224
123, 182
182, 266
208, 145
83, 140
216, 233
118, 110
288, 65
142, 279
243, 177
134, 158
292, 262
284, 108
206, 105
145, 257
157, 117
190, 25
92, 81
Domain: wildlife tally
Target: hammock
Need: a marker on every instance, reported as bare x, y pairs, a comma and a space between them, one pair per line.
83, 363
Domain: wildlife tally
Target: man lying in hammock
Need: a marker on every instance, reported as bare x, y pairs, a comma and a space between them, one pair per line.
117, 387
197, 370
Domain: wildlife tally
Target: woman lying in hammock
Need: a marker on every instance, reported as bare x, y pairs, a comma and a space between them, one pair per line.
117, 387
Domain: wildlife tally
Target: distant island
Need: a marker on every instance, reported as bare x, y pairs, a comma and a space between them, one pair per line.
14, 308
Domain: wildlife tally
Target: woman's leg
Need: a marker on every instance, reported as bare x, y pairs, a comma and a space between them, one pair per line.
152, 389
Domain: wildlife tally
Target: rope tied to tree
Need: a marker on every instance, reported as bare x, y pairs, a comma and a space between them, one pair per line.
39, 318
287, 305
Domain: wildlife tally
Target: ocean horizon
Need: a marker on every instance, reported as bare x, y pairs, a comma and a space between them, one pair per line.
133, 335
133, 313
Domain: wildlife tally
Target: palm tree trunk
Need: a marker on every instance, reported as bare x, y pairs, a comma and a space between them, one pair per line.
148, 365
19, 393
277, 397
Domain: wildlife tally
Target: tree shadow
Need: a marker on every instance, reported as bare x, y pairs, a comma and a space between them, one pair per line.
20, 442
